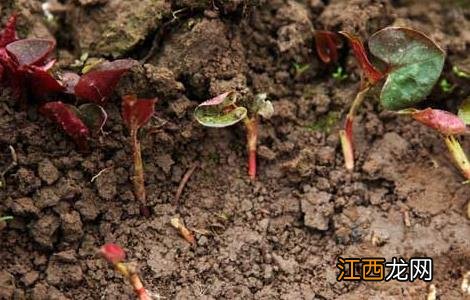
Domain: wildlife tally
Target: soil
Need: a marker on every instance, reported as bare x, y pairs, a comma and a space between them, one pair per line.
276, 238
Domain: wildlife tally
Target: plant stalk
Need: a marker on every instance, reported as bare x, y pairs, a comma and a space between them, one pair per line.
346, 135
138, 178
459, 156
134, 280
251, 125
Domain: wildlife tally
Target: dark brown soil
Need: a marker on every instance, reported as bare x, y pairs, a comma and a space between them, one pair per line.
277, 238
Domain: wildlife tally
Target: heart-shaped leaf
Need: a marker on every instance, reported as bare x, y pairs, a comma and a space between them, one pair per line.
440, 120
464, 111
68, 119
415, 63
30, 51
220, 111
98, 84
94, 116
262, 106
136, 112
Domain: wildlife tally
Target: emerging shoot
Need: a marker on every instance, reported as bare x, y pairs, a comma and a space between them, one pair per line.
411, 65
222, 111
115, 255
135, 114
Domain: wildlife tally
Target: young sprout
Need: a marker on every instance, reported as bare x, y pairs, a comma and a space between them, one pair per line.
183, 230
412, 66
135, 114
77, 122
222, 111
24, 64
115, 255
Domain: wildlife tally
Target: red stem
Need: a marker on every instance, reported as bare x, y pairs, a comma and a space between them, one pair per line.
138, 179
251, 142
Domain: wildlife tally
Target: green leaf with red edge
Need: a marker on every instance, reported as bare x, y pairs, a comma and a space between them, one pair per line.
464, 111
327, 44
68, 120
31, 51
371, 74
99, 83
137, 112
220, 111
440, 120
8, 34
414, 61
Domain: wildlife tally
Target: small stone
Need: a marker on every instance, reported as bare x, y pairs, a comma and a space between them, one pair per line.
7, 285
180, 106
289, 266
106, 185
68, 256
24, 206
63, 274
46, 197
317, 209
326, 155
72, 226
165, 162
43, 231
30, 278
48, 172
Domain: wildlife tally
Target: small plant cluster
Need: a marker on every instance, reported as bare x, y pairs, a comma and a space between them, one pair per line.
25, 67
408, 66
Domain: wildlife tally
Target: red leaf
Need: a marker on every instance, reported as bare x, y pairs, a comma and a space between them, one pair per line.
440, 120
31, 51
137, 112
98, 84
8, 34
112, 253
327, 43
63, 115
42, 83
370, 72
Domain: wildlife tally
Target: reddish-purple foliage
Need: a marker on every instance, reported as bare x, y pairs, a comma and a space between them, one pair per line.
25, 63
112, 253
327, 44
68, 119
136, 112
98, 84
443, 121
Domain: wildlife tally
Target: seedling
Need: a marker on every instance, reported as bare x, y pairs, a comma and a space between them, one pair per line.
135, 114
24, 64
222, 111
78, 122
115, 255
183, 230
412, 64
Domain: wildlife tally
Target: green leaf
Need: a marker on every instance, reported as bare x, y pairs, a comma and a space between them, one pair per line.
415, 64
464, 111
220, 111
